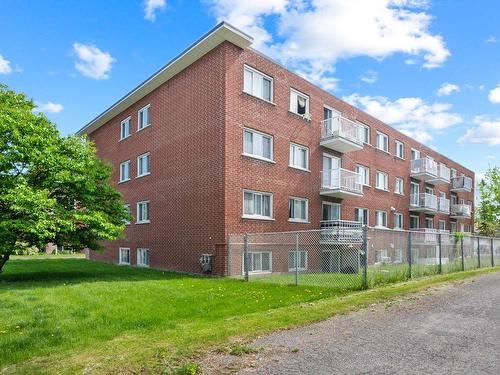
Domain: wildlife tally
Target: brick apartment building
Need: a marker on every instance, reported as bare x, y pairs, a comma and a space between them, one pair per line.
224, 140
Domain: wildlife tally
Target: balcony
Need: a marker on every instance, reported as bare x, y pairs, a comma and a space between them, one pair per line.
444, 205
424, 202
341, 232
460, 211
443, 175
341, 134
424, 169
341, 183
461, 183
429, 236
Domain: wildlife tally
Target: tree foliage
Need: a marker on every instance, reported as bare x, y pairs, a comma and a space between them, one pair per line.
488, 212
52, 188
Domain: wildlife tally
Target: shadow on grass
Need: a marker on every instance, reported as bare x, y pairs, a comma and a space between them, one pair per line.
50, 271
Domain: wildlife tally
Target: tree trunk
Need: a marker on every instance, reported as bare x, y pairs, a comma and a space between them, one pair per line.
4, 260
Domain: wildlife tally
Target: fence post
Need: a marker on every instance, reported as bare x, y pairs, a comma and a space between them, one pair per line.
365, 260
409, 255
462, 251
245, 255
492, 256
440, 256
297, 259
478, 255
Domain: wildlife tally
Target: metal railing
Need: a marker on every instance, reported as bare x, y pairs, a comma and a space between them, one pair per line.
341, 179
424, 166
340, 231
444, 172
443, 205
461, 183
342, 127
462, 210
424, 201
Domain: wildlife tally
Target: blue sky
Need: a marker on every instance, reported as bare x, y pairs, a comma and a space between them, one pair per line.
388, 57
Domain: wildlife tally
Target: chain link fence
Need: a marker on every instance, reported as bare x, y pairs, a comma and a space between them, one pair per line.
347, 256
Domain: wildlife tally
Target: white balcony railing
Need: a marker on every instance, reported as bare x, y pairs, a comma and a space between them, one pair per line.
424, 201
341, 231
461, 183
424, 166
443, 205
342, 127
444, 172
430, 236
461, 210
341, 179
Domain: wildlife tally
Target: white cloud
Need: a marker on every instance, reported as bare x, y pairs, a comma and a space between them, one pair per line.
494, 95
49, 107
407, 113
447, 89
150, 8
92, 62
369, 76
492, 39
486, 131
419, 135
312, 35
5, 67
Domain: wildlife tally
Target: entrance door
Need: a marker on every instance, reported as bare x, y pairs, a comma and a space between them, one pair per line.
414, 191
331, 163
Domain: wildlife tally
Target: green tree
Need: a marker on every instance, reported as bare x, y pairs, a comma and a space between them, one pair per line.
52, 188
488, 212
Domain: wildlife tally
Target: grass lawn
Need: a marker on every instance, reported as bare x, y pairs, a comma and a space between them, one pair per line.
60, 316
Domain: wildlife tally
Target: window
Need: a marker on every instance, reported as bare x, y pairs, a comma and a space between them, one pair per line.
257, 144
292, 258
260, 262
442, 225
257, 205
468, 228
453, 199
398, 186
366, 133
429, 223
125, 129
142, 212
382, 182
398, 256
127, 207
361, 215
382, 142
453, 172
329, 113
298, 209
415, 154
398, 221
143, 165
144, 119
143, 257
381, 219
125, 171
124, 255
257, 84
299, 103
453, 226
331, 211
414, 222
381, 256
400, 150
365, 174
299, 156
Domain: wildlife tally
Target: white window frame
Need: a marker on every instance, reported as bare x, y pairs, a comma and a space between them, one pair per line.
379, 257
251, 254
298, 220
338, 205
400, 146
128, 121
139, 124
377, 216
293, 153
257, 74
398, 181
398, 256
364, 172
256, 216
383, 136
294, 94
429, 219
416, 152
122, 179
400, 215
368, 132
120, 257
358, 209
386, 181
418, 221
139, 219
444, 224
291, 267
129, 209
256, 155
140, 257
139, 158
453, 226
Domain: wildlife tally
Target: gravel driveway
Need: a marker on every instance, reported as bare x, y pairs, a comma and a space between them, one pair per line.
450, 329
